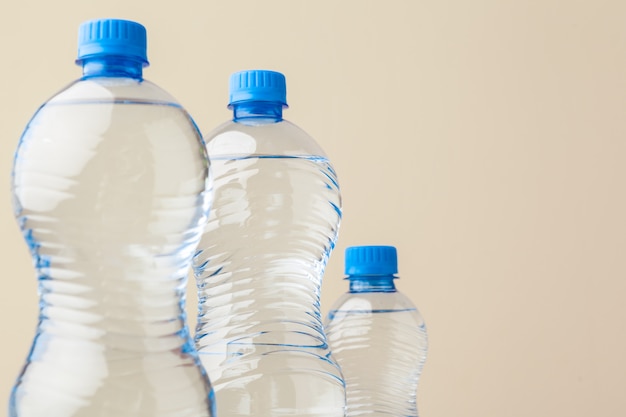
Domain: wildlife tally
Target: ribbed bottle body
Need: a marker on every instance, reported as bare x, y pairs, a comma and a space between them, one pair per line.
273, 225
379, 339
110, 191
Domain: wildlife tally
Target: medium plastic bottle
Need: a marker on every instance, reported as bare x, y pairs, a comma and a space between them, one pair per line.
273, 224
109, 187
377, 336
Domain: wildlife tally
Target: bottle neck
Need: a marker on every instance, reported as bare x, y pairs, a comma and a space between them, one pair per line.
112, 67
372, 283
258, 111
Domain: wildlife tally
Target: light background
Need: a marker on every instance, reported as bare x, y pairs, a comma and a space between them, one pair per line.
485, 139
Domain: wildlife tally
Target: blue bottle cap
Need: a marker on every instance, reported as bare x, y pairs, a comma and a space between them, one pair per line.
257, 85
112, 37
371, 260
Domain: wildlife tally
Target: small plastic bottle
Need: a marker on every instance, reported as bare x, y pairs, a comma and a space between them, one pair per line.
110, 190
377, 336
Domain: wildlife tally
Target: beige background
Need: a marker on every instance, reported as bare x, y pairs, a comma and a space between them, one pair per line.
486, 139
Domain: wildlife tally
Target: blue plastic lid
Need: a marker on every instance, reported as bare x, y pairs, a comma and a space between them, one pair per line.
371, 260
257, 85
112, 37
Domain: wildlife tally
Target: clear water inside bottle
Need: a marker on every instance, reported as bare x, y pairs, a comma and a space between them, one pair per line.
272, 226
379, 339
109, 191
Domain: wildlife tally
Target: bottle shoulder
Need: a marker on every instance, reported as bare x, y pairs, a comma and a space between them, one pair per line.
377, 309
374, 301
262, 137
112, 89
66, 109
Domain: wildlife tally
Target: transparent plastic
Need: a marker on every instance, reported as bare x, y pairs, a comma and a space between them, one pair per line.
379, 339
110, 187
274, 222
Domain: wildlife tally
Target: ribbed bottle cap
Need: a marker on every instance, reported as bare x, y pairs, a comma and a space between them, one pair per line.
257, 85
371, 260
112, 37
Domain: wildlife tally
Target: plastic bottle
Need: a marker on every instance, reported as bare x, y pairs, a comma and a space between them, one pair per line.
377, 336
109, 187
273, 224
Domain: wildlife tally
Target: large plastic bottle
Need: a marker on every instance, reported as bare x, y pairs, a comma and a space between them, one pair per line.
274, 221
377, 336
109, 187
